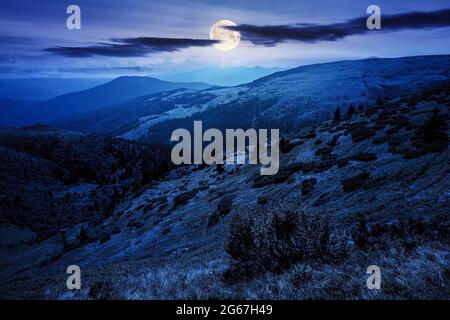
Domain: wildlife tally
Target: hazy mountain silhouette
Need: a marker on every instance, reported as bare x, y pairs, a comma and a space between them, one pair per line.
286, 100
44, 88
110, 93
230, 76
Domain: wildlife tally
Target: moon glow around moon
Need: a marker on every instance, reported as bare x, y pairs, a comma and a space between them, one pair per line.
229, 38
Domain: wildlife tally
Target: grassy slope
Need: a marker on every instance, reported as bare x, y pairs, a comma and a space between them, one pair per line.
175, 252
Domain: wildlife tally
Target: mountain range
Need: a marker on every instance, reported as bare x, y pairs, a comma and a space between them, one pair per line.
17, 113
369, 187
44, 88
226, 76
288, 99
148, 108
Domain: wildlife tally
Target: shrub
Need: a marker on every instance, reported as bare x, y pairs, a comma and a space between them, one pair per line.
300, 275
380, 101
381, 139
411, 153
134, 223
308, 185
166, 230
337, 114
101, 290
434, 131
286, 145
333, 142
223, 208
83, 236
350, 112
364, 157
361, 132
272, 239
406, 232
262, 200
184, 197
106, 237
225, 204
220, 168
213, 219
356, 182
115, 230
282, 176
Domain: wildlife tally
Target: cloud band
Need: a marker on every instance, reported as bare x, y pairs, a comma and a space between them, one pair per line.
310, 33
131, 47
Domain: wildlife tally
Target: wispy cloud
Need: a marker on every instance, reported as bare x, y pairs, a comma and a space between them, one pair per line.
272, 35
131, 47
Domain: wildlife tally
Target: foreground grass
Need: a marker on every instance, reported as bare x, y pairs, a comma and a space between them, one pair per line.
423, 273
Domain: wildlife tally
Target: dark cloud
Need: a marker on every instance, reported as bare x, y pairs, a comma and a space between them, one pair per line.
271, 35
131, 47
259, 35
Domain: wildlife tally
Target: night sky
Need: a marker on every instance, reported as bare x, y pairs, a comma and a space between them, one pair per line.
138, 37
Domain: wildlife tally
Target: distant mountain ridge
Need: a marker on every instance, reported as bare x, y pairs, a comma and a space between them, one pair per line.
286, 99
44, 88
229, 76
12, 111
368, 188
110, 93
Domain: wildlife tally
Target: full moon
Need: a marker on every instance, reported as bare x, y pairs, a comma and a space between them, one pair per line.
229, 38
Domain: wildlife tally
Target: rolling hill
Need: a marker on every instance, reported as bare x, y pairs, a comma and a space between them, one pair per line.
113, 92
286, 100
44, 88
229, 76
369, 188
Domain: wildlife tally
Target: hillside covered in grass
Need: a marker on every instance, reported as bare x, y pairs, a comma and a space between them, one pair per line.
368, 187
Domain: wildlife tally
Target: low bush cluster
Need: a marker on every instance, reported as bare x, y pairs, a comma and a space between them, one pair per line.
356, 182
223, 208
274, 238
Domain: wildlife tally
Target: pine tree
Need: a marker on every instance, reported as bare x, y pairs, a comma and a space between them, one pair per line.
219, 168
83, 235
350, 112
64, 239
435, 128
17, 199
380, 101
337, 114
